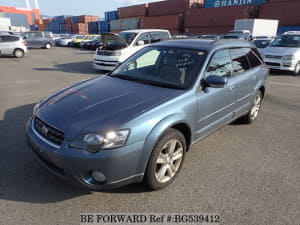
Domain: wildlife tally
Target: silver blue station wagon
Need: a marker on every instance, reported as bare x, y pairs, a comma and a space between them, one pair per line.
138, 122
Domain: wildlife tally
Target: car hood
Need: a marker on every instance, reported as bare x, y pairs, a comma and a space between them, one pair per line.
280, 50
100, 104
111, 37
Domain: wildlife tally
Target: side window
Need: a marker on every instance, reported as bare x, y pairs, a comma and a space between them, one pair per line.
155, 37
164, 36
9, 38
220, 64
38, 35
256, 52
239, 60
144, 38
253, 59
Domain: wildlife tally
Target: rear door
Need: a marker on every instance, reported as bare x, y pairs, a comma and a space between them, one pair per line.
244, 77
216, 105
8, 44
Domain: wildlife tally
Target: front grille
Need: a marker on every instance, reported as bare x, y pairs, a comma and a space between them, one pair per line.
273, 56
50, 133
272, 64
108, 53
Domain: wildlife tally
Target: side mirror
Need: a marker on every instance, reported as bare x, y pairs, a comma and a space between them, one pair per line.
139, 43
25, 37
216, 81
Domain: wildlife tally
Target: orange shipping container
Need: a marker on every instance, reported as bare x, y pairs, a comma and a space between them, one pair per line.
223, 16
171, 7
286, 12
171, 22
133, 11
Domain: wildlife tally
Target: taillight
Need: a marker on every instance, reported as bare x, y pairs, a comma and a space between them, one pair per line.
268, 67
24, 43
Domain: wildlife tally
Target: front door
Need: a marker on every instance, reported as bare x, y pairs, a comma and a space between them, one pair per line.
216, 105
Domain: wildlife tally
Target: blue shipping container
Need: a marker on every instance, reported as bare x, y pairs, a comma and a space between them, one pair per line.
104, 26
94, 27
75, 19
60, 19
18, 20
283, 29
224, 3
111, 15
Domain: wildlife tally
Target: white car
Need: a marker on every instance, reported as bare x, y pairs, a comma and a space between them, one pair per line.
12, 45
67, 40
284, 52
118, 47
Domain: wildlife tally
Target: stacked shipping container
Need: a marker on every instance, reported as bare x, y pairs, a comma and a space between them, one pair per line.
213, 20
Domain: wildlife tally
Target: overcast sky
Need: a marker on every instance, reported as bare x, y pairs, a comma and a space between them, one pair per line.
74, 7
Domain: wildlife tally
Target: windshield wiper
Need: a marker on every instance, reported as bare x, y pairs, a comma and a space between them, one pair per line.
143, 81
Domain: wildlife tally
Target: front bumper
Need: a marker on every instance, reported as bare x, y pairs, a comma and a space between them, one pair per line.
281, 65
119, 166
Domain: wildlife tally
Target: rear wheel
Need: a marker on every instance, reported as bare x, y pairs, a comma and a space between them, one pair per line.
166, 160
19, 53
48, 46
297, 69
253, 113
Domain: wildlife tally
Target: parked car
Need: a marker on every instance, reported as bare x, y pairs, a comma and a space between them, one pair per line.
118, 47
209, 36
262, 42
67, 40
230, 36
138, 122
39, 39
242, 34
88, 39
59, 37
12, 45
76, 41
284, 53
93, 44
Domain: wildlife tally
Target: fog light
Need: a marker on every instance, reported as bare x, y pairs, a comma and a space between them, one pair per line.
98, 176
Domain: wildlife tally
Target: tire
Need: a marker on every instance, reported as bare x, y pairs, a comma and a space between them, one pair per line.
48, 46
19, 53
166, 160
254, 111
297, 69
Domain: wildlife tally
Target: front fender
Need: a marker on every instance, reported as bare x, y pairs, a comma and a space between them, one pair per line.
156, 133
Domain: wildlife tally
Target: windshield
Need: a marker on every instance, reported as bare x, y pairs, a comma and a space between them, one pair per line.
79, 37
262, 43
292, 41
162, 66
128, 36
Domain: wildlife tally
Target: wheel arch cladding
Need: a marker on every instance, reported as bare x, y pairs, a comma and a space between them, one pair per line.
175, 121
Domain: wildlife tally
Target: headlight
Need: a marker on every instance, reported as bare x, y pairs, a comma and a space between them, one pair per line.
288, 57
94, 142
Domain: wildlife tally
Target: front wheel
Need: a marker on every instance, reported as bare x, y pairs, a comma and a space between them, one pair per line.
166, 160
253, 113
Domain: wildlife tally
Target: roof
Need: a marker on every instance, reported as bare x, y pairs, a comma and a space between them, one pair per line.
206, 45
143, 30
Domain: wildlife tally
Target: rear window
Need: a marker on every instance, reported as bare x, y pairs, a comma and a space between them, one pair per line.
9, 38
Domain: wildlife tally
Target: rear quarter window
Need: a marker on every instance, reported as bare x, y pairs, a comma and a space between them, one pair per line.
253, 58
239, 59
